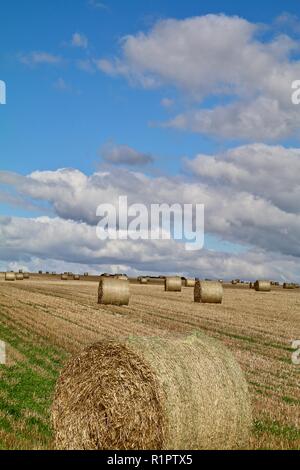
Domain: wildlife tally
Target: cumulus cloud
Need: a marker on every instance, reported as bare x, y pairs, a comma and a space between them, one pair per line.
250, 194
123, 154
60, 245
217, 56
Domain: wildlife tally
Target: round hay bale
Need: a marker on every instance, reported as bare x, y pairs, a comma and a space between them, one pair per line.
86, 274
10, 276
76, 277
190, 283
251, 285
121, 277
19, 276
233, 281
152, 393
208, 292
26, 275
113, 291
173, 284
288, 286
143, 280
64, 277
262, 286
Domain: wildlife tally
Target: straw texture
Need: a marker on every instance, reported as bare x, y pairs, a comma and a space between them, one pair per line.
173, 284
208, 292
152, 393
113, 291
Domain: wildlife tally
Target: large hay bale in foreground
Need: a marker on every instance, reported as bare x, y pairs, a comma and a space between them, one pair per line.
173, 284
10, 276
64, 277
152, 393
190, 283
113, 291
19, 276
208, 292
262, 286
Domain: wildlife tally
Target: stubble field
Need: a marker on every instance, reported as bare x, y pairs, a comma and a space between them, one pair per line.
43, 321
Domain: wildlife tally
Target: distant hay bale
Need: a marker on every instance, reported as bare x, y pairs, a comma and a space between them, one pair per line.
190, 283
288, 286
251, 285
208, 292
233, 281
262, 286
26, 275
113, 291
40, 272
143, 280
152, 393
20, 271
10, 276
121, 277
173, 284
19, 277
64, 277
86, 274
76, 277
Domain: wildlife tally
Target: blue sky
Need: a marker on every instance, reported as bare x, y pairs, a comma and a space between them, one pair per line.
43, 127
65, 106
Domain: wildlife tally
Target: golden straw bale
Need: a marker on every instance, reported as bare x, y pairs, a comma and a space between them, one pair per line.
152, 393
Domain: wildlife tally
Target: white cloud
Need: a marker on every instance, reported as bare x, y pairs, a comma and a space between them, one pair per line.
167, 102
64, 245
123, 154
79, 40
39, 57
250, 194
217, 56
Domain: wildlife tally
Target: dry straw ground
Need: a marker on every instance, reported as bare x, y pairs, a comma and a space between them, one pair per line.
258, 327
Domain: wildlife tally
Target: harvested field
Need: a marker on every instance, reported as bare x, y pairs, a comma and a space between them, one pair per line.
55, 318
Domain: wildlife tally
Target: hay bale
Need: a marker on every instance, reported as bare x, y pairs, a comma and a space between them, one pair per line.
262, 286
173, 284
26, 275
113, 291
251, 285
208, 292
190, 283
10, 276
64, 277
152, 393
143, 280
19, 277
76, 277
233, 281
121, 277
288, 286
86, 274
